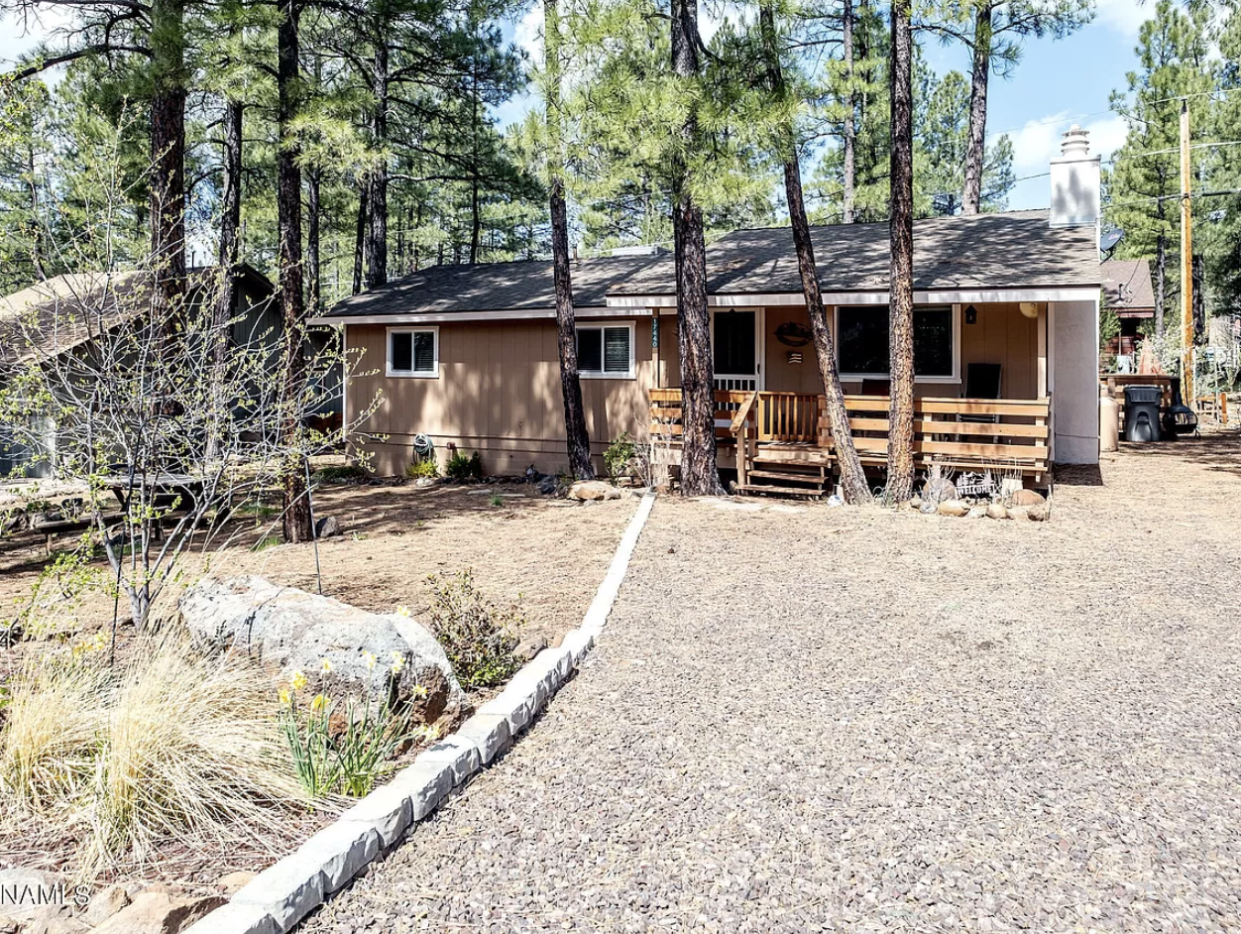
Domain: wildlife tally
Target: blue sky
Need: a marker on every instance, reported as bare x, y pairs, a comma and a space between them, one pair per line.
1056, 85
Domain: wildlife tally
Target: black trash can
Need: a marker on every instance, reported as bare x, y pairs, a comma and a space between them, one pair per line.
1142, 413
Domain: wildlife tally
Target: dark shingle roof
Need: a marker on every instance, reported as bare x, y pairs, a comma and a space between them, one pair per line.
1016, 249
1127, 286
516, 286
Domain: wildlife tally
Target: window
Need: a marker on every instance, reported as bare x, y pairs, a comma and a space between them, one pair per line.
414, 352
734, 342
862, 342
605, 351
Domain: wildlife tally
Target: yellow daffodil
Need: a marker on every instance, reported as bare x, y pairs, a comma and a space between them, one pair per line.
298, 681
398, 662
327, 666
285, 697
419, 691
403, 611
318, 703
369, 659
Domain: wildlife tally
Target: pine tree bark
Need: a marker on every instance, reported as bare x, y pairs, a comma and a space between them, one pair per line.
699, 472
377, 229
975, 151
850, 126
901, 343
576, 435
852, 477
1161, 277
297, 525
360, 240
167, 181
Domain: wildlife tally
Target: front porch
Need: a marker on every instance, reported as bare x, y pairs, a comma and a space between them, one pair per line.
780, 442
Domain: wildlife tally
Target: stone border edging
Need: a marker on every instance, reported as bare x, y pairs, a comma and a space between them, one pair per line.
280, 896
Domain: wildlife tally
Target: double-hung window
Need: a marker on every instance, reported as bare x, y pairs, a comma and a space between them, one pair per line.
862, 343
605, 351
414, 352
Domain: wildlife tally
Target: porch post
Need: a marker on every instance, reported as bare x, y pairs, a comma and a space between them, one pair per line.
1042, 352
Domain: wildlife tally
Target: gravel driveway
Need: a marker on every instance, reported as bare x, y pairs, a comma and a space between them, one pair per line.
858, 720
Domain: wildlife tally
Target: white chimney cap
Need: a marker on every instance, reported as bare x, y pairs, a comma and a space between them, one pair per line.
1075, 143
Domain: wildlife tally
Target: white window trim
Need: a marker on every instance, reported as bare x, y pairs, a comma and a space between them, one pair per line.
956, 352
433, 373
631, 373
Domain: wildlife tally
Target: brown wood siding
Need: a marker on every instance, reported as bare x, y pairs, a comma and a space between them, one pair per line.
498, 393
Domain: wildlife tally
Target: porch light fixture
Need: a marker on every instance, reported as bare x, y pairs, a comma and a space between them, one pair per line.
1029, 309
971, 314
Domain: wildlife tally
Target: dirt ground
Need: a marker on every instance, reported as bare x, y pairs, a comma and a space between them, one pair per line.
805, 718
545, 555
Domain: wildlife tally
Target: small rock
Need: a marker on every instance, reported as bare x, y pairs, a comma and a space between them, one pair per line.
31, 894
1040, 512
234, 881
976, 512
939, 490
915, 503
954, 508
549, 485
996, 511
593, 490
327, 527
1028, 498
530, 646
424, 482
104, 904
55, 924
1018, 512
159, 913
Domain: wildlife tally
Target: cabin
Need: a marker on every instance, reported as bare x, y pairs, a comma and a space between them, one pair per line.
1006, 333
1128, 291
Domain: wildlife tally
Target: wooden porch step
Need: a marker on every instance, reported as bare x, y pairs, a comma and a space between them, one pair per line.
777, 490
789, 477
793, 462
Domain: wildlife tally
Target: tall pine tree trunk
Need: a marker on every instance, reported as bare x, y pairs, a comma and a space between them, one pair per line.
850, 127
167, 183
228, 259
377, 230
975, 151
297, 526
852, 477
1161, 277
901, 301
566, 325
699, 473
360, 240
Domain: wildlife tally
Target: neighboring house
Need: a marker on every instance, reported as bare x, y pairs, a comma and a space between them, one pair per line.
467, 354
62, 314
1127, 290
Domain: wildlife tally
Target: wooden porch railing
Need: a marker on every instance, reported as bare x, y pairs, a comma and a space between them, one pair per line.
961, 433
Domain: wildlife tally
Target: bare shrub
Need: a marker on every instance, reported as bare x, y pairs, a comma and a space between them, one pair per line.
478, 638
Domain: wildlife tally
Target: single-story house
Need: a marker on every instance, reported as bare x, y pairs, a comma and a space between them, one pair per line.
60, 315
1006, 344
1128, 291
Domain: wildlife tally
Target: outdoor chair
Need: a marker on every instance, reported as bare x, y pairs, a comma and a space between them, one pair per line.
982, 381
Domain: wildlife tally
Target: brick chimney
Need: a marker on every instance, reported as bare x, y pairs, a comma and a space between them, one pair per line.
1075, 182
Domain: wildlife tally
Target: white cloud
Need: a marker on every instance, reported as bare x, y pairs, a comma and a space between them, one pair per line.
1125, 16
1036, 143
528, 33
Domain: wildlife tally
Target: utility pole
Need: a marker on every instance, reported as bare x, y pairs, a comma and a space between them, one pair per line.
1187, 267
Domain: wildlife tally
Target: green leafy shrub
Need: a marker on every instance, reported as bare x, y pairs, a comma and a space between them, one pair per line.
477, 637
461, 467
424, 468
497, 499
619, 455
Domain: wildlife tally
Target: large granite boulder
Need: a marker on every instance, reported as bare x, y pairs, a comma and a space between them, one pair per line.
341, 650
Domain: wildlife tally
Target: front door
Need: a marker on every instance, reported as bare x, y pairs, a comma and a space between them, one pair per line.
736, 345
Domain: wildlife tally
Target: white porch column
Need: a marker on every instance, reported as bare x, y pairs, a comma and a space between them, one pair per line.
1073, 362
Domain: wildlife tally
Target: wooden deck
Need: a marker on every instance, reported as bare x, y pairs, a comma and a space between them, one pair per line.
786, 437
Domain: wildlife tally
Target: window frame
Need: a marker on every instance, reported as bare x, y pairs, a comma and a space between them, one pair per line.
631, 326
883, 308
433, 373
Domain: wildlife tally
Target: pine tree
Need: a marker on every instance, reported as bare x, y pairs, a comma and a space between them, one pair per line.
900, 278
993, 31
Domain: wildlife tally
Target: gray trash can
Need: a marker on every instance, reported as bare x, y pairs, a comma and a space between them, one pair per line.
1142, 413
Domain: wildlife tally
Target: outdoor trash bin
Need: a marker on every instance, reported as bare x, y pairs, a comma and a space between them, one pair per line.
1142, 413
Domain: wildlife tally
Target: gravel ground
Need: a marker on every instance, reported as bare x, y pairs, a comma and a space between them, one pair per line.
858, 720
